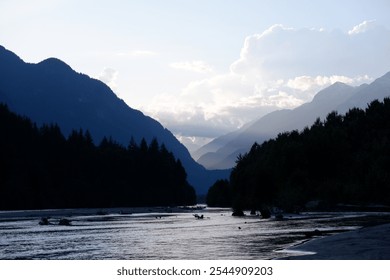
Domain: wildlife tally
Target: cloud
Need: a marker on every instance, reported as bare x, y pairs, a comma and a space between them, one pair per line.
306, 83
362, 27
282, 67
194, 66
109, 76
208, 107
281, 52
193, 143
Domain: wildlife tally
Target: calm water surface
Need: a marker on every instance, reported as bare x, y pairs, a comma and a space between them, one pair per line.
161, 235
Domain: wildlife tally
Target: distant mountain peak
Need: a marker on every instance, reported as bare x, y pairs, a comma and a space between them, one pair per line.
333, 91
339, 84
55, 64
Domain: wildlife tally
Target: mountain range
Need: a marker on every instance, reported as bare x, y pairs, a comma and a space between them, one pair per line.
52, 92
222, 152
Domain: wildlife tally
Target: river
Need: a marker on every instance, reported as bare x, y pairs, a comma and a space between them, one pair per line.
158, 233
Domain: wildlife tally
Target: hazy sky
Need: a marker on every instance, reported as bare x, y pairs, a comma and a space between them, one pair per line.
206, 67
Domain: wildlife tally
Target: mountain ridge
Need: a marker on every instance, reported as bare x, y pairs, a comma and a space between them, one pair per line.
52, 92
338, 96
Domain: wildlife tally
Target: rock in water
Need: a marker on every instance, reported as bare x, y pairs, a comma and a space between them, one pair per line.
44, 222
64, 222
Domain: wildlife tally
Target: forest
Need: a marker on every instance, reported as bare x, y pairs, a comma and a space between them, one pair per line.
344, 159
41, 168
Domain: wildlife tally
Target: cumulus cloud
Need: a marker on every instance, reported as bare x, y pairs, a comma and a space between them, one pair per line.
281, 67
362, 27
195, 66
109, 77
306, 83
281, 52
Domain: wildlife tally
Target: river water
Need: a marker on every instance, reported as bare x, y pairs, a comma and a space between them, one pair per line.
161, 234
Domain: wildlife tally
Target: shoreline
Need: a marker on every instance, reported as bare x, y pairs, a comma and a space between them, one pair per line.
15, 214
366, 243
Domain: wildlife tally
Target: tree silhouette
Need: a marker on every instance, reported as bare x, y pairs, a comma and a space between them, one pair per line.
40, 168
343, 159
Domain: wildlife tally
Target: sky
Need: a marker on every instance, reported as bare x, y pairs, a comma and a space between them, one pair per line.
204, 68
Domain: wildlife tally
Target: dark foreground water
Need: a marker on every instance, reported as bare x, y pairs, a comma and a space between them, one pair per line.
157, 234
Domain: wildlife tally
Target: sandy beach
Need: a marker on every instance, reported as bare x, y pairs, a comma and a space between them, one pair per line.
367, 243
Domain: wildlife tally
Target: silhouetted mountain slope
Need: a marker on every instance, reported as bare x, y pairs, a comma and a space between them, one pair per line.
41, 169
343, 159
338, 96
51, 92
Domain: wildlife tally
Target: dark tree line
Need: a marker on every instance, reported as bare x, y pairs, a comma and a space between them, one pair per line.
40, 168
343, 159
219, 194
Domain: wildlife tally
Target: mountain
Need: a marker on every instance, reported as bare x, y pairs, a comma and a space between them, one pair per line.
344, 159
218, 142
41, 169
378, 89
223, 151
52, 92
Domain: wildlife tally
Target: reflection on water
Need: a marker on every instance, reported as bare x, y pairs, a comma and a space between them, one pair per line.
162, 236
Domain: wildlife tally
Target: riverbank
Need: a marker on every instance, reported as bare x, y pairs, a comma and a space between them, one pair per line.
367, 243
17, 214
